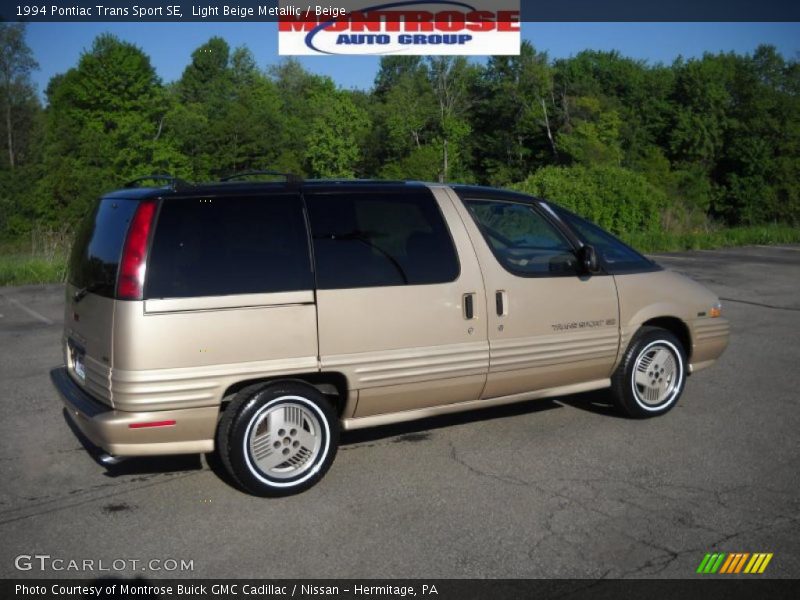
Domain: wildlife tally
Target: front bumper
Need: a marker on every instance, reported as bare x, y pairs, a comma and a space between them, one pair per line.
192, 432
711, 337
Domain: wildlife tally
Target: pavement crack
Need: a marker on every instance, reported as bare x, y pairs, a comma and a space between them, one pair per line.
502, 478
674, 555
112, 494
761, 304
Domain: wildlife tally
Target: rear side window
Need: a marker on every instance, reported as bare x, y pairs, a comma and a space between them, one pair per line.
223, 246
522, 240
369, 240
96, 252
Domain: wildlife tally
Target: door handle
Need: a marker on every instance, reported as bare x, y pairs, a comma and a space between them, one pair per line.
469, 306
501, 303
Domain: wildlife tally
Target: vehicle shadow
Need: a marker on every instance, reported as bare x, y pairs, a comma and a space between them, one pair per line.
597, 402
412, 431
138, 465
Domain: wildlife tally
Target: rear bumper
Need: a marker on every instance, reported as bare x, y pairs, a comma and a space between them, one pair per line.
192, 431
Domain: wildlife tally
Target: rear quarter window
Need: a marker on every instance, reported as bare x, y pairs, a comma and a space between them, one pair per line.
96, 252
229, 245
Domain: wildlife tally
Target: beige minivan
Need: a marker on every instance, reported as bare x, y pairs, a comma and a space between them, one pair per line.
259, 319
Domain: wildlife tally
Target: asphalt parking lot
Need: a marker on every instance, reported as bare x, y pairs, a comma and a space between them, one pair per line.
562, 488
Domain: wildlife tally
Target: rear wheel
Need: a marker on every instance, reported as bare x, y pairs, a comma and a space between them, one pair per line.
279, 439
651, 376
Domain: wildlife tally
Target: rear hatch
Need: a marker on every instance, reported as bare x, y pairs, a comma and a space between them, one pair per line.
91, 294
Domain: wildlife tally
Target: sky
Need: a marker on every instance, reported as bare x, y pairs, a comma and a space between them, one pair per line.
58, 46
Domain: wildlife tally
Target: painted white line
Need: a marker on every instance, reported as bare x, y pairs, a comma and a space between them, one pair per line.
30, 311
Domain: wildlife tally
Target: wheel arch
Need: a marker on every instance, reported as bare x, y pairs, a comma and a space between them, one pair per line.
330, 383
676, 327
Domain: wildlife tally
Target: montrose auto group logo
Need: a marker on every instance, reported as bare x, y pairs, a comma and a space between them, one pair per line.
410, 27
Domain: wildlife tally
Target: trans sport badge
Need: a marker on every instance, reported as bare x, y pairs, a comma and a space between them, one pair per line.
447, 27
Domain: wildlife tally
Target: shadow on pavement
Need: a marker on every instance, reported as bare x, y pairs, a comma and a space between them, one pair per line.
137, 465
597, 402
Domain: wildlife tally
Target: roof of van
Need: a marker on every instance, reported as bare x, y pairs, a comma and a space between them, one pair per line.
223, 188
182, 189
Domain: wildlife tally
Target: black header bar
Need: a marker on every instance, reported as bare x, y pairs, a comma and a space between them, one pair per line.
732, 588
268, 10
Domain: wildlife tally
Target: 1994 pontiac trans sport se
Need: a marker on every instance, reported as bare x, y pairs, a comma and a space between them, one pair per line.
258, 319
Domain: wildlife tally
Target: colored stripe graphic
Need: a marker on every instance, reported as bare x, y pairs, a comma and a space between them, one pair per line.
734, 563
703, 563
764, 564
741, 562
727, 564
716, 565
711, 563
755, 562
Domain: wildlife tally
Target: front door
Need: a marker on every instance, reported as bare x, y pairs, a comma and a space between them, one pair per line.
549, 324
400, 297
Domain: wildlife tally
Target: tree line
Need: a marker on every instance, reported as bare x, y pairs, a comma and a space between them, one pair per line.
632, 145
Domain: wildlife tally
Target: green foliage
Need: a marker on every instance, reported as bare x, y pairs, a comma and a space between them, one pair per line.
104, 123
594, 136
409, 111
515, 90
666, 241
226, 114
40, 256
393, 69
332, 149
660, 151
613, 197
206, 79
422, 164
21, 269
17, 96
451, 78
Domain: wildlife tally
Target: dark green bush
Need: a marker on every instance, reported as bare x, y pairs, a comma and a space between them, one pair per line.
615, 198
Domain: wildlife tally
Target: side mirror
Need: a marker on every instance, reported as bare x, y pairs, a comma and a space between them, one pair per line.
587, 259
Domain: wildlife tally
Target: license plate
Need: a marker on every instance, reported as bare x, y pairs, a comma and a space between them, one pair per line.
80, 370
78, 362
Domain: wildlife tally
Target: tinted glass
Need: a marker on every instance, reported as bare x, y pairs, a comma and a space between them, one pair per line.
98, 245
612, 253
523, 241
222, 246
366, 240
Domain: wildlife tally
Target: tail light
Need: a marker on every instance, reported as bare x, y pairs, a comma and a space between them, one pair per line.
134, 253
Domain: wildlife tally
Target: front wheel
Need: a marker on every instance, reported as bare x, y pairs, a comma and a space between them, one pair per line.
651, 376
279, 439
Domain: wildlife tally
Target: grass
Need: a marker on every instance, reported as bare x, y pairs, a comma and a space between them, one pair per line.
664, 241
20, 268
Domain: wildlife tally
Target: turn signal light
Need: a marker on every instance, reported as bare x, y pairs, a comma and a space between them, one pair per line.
716, 311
